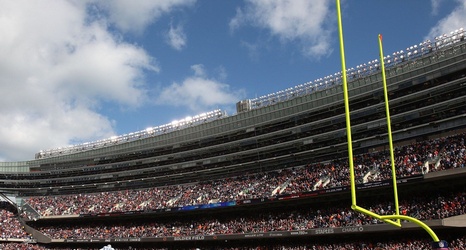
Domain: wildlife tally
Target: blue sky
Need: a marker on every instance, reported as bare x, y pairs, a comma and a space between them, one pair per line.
79, 71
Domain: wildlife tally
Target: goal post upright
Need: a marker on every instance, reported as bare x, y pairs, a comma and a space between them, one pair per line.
389, 130
391, 219
347, 117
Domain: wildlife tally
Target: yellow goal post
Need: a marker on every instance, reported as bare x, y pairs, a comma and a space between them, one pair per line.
391, 219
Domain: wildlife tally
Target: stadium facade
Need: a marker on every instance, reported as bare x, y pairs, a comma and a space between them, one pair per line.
288, 150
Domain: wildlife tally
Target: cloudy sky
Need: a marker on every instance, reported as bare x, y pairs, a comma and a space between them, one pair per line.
77, 71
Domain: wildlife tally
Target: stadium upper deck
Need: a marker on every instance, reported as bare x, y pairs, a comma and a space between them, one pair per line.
427, 88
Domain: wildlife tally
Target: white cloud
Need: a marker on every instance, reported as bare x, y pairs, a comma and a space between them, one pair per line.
57, 67
134, 16
291, 20
435, 6
199, 92
176, 37
199, 70
455, 20
24, 133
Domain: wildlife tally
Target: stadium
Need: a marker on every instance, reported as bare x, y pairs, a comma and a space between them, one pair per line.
272, 176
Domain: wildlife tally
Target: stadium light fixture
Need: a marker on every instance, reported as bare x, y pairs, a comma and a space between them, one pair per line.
132, 136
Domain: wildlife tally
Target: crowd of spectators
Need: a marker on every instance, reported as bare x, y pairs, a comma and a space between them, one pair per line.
405, 244
20, 246
454, 154
424, 244
414, 159
423, 207
456, 243
10, 227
